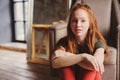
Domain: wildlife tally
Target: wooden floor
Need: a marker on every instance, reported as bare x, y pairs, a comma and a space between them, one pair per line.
14, 46
13, 66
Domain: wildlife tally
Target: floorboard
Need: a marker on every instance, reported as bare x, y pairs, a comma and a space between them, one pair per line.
13, 66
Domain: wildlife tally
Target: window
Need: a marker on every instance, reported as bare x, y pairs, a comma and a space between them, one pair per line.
20, 19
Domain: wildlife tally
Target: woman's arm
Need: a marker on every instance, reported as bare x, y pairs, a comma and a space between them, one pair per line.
62, 59
99, 54
97, 59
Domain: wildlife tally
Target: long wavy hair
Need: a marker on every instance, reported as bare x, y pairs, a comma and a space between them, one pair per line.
92, 33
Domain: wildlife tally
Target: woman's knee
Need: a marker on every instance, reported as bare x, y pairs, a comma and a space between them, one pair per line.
90, 75
67, 73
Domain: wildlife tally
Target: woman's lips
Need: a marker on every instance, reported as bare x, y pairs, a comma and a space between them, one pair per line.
78, 30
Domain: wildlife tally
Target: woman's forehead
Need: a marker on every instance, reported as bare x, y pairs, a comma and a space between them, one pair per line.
80, 13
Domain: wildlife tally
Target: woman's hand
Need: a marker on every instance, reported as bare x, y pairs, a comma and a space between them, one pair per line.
59, 53
86, 65
89, 62
99, 55
100, 64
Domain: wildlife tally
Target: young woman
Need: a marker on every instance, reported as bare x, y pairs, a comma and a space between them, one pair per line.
80, 54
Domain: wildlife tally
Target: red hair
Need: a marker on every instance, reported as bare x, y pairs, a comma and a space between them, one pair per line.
92, 34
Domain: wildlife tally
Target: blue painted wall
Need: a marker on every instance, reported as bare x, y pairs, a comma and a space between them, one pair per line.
5, 22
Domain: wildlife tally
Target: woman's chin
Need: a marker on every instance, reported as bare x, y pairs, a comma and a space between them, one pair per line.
78, 34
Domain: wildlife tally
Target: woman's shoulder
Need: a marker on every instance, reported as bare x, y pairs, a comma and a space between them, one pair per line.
61, 43
62, 40
99, 43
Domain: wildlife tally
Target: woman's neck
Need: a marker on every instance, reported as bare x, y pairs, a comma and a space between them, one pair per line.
81, 40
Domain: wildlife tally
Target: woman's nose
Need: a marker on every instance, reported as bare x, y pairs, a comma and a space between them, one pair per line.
79, 23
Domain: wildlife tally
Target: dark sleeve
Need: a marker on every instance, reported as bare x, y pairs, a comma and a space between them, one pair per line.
99, 44
61, 43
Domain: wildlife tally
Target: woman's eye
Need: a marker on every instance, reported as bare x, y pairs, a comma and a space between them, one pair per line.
82, 20
74, 21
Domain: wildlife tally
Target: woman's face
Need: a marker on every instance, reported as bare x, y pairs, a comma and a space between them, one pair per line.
80, 23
